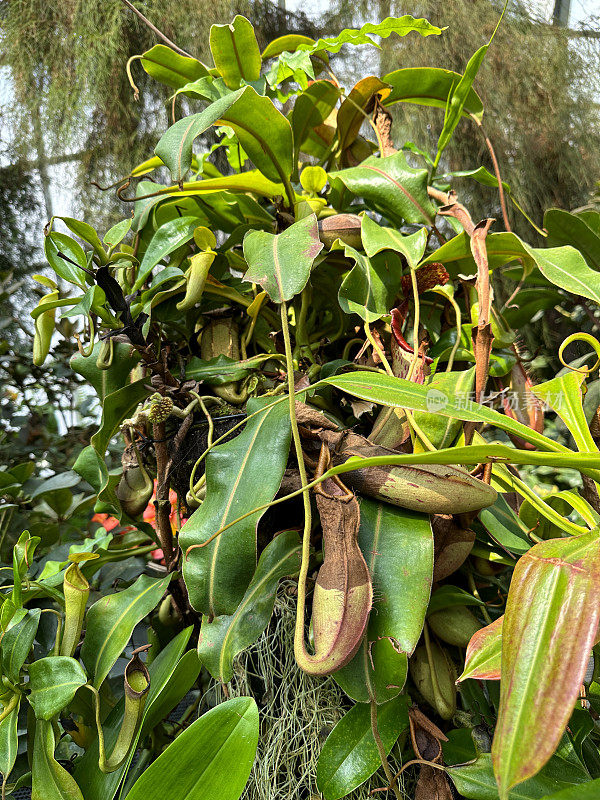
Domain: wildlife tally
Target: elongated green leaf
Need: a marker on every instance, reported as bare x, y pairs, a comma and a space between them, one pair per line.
264, 133
17, 642
350, 756
312, 107
165, 65
175, 689
117, 233
9, 740
110, 623
49, 781
98, 785
250, 181
240, 475
429, 86
226, 636
484, 653
375, 239
390, 186
458, 98
442, 431
564, 395
371, 285
475, 781
399, 393
167, 238
398, 547
281, 263
53, 682
548, 631
401, 26
505, 527
235, 52
563, 266
448, 596
212, 758
565, 228
106, 381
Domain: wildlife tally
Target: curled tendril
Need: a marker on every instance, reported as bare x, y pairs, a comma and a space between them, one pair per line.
86, 353
580, 337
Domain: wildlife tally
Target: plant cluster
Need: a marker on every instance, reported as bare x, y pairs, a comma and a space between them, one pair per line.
306, 365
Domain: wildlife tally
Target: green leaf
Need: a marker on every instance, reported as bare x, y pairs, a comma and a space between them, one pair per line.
565, 228
98, 785
240, 475
87, 233
505, 527
371, 285
390, 186
226, 636
448, 596
312, 107
484, 653
281, 263
50, 781
106, 381
375, 239
180, 682
398, 548
167, 238
442, 431
350, 756
458, 98
400, 393
166, 66
528, 303
288, 43
264, 133
429, 86
55, 243
549, 627
17, 642
586, 791
235, 52
53, 682
212, 758
117, 233
563, 266
401, 26
9, 740
352, 114
476, 781
564, 395
111, 620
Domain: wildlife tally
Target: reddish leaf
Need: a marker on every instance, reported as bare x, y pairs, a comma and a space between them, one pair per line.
548, 631
483, 655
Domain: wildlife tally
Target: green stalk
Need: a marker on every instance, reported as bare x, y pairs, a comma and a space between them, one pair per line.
299, 648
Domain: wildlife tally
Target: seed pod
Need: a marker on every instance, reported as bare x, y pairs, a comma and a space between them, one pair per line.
345, 227
195, 277
430, 488
452, 545
455, 625
435, 680
44, 328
